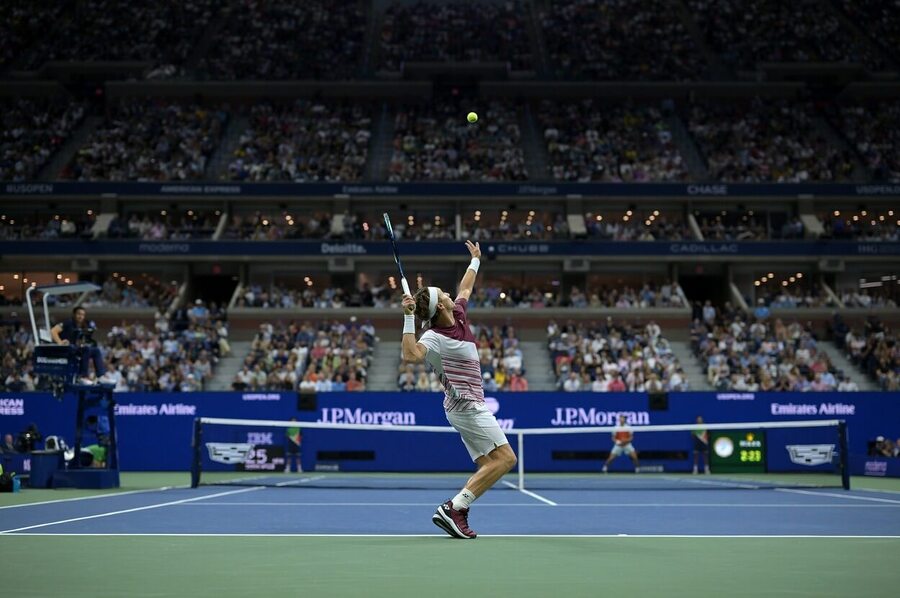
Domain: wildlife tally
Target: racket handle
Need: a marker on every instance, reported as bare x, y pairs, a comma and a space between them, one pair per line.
405, 286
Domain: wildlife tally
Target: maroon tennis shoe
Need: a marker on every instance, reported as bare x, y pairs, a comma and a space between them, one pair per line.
454, 522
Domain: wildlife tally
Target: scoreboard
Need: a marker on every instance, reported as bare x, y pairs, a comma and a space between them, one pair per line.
737, 451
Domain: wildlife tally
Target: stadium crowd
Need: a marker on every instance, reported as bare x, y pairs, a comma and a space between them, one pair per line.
306, 141
149, 140
745, 34
265, 40
586, 40
637, 226
162, 33
763, 355
15, 227
313, 357
432, 142
144, 292
872, 129
162, 226
20, 24
863, 227
16, 358
589, 142
32, 131
458, 31
765, 141
613, 357
175, 354
291, 297
875, 349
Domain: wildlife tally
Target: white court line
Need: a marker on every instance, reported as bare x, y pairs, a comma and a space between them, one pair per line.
732, 484
144, 508
530, 493
873, 490
532, 505
110, 495
300, 481
836, 495
443, 537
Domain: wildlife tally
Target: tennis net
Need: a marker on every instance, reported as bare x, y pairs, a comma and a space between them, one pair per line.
745, 455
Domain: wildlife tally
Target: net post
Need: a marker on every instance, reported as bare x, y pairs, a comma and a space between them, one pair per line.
521, 460
845, 457
195, 461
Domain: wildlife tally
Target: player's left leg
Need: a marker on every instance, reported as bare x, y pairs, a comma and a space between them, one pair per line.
489, 448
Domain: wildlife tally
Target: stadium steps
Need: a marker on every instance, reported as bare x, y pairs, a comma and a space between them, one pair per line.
374, 19
52, 171
536, 160
538, 370
229, 366
840, 361
693, 159
217, 169
385, 367
692, 367
380, 146
538, 43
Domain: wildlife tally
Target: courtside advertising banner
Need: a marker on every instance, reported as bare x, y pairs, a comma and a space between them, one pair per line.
154, 430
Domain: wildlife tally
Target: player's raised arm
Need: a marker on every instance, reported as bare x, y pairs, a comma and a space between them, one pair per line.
410, 350
468, 280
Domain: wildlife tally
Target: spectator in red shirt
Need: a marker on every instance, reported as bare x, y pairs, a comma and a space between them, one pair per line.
517, 382
616, 384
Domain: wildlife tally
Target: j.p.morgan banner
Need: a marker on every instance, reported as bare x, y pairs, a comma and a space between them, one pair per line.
155, 429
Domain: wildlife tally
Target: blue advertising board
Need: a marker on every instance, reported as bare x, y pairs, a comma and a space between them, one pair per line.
154, 430
459, 190
452, 248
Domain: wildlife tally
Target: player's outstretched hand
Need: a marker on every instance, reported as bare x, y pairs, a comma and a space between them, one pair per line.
409, 305
474, 249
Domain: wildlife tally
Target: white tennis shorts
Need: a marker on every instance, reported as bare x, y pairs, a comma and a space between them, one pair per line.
618, 449
479, 430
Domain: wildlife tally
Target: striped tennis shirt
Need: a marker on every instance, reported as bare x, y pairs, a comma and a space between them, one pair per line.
454, 358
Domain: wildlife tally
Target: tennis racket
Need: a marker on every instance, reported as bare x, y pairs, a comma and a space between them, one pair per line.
390, 230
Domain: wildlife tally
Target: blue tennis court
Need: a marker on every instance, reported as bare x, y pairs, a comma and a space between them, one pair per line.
340, 534
669, 505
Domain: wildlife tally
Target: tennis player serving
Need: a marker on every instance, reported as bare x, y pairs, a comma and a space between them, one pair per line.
448, 347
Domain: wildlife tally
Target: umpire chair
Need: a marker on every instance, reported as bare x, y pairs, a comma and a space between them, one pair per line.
62, 364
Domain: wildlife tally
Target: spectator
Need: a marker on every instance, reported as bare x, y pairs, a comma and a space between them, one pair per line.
9, 446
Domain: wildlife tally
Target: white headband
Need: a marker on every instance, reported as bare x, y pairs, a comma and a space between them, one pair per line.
432, 302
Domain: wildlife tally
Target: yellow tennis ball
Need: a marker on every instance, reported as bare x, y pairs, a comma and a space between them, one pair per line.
472, 117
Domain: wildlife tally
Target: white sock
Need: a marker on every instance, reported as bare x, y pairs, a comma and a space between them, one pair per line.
465, 498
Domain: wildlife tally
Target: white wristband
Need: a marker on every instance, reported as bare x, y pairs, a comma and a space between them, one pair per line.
409, 324
474, 264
